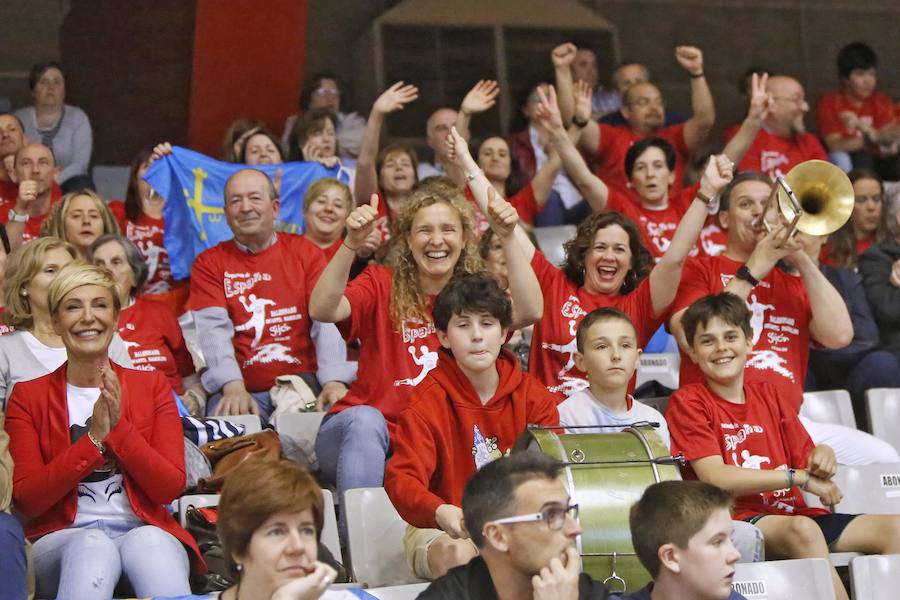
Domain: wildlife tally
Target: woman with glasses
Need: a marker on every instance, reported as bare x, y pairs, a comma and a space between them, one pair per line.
866, 225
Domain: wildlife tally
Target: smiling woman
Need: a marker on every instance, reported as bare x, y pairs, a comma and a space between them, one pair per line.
80, 218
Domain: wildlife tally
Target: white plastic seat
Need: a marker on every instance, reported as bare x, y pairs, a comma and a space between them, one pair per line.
829, 406
874, 577
883, 406
300, 426
662, 367
802, 579
375, 531
551, 240
399, 592
251, 423
871, 489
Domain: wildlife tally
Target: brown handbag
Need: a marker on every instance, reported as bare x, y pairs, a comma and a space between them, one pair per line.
226, 455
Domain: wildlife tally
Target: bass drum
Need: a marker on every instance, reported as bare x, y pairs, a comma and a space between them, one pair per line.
605, 473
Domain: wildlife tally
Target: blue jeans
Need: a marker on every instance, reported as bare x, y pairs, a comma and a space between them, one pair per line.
352, 448
12, 559
86, 563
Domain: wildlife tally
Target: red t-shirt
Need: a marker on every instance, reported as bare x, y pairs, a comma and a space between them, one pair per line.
266, 295
780, 315
713, 238
760, 434
657, 226
861, 246
392, 361
553, 342
446, 434
876, 111
614, 145
523, 201
9, 191
155, 342
147, 235
775, 155
330, 251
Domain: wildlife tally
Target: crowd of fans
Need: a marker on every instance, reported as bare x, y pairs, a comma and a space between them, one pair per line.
409, 307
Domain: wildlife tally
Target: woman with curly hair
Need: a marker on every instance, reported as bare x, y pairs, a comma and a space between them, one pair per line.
388, 308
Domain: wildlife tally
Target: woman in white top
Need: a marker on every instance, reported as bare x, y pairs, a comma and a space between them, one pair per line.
35, 349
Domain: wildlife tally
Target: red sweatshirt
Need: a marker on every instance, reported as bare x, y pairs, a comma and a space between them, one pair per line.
446, 433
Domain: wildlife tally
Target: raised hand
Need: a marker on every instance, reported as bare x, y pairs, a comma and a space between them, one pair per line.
161, 150
563, 55
760, 99
718, 172
313, 152
502, 215
361, 222
583, 102
547, 110
458, 151
481, 97
395, 98
373, 240
690, 59
770, 249
28, 192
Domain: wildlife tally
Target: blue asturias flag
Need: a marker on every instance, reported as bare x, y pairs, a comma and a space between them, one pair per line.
193, 185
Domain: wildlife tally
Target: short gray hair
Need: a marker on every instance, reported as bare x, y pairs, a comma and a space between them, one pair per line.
133, 254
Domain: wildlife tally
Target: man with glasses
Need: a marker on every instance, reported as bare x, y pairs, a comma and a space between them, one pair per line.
324, 91
645, 110
783, 141
524, 524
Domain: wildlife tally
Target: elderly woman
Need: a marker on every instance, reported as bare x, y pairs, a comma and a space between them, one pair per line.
80, 218
149, 328
36, 348
880, 270
99, 455
63, 128
270, 521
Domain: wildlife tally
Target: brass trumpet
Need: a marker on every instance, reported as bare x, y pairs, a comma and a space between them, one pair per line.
815, 197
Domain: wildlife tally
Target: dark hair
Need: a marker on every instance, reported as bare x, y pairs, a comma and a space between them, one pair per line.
672, 512
578, 247
842, 243
7, 113
38, 70
257, 490
514, 182
474, 293
491, 492
725, 196
268, 134
133, 255
640, 146
595, 316
856, 55
519, 121
134, 206
724, 305
311, 123
314, 84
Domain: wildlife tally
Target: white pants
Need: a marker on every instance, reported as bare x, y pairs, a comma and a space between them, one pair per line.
851, 446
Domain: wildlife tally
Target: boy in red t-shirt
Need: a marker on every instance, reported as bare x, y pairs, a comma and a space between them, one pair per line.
468, 411
742, 438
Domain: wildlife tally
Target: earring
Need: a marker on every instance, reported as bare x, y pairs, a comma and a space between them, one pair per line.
239, 567
23, 293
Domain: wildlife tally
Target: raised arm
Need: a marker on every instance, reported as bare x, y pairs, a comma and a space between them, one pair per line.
666, 275
480, 98
327, 302
704, 110
760, 105
562, 57
830, 324
391, 100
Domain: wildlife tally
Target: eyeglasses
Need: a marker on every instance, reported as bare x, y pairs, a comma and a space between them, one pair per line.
554, 516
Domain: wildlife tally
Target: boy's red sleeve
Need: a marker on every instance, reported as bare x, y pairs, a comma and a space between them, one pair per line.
691, 425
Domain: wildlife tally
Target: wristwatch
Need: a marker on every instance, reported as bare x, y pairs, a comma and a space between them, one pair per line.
744, 274
14, 216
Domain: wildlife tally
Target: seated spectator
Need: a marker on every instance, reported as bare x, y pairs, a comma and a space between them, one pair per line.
249, 296
858, 122
37, 193
437, 128
235, 136
13, 561
783, 142
270, 523
606, 265
80, 218
140, 220
261, 148
880, 270
584, 68
608, 354
468, 411
746, 438
324, 91
4, 255
389, 309
12, 138
627, 74
96, 484
866, 226
862, 364
789, 310
63, 128
313, 138
520, 516
150, 330
644, 109
500, 165
35, 348
325, 208
681, 534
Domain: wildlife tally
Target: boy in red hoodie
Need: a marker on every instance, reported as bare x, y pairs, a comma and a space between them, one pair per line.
467, 412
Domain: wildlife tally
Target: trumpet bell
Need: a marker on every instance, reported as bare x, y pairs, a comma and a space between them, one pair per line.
824, 194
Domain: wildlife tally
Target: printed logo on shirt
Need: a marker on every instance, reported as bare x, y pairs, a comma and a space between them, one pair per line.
770, 161
236, 284
569, 384
425, 358
484, 450
157, 257
277, 328
733, 440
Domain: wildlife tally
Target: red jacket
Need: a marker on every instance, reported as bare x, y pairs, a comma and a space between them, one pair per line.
147, 442
435, 444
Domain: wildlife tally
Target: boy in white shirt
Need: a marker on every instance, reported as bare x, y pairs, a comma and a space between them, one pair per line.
608, 353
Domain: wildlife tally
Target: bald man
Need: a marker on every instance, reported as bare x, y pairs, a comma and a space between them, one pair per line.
782, 141
36, 191
436, 131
